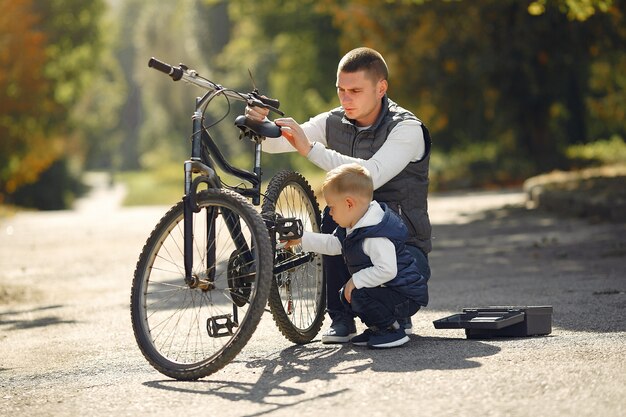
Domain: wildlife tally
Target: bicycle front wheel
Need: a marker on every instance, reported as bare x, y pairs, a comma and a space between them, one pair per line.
188, 330
297, 297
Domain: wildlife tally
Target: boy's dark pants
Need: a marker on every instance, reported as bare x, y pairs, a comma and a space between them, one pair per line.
337, 274
379, 306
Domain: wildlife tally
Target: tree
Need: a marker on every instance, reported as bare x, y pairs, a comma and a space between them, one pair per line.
25, 148
491, 72
222, 40
291, 49
52, 49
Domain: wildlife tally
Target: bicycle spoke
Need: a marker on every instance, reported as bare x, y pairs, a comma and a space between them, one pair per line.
188, 329
297, 297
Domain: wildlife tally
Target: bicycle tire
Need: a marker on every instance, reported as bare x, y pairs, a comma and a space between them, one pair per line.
297, 297
169, 317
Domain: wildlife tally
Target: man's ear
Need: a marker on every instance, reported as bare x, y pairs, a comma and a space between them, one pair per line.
382, 86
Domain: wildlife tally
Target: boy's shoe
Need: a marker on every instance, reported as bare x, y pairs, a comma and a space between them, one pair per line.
340, 331
362, 339
388, 338
406, 324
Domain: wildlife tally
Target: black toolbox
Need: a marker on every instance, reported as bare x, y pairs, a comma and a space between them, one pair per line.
500, 321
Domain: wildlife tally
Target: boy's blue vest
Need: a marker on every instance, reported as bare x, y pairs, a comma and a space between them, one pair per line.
408, 281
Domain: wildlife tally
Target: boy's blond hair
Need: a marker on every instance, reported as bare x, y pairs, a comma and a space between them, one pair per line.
349, 179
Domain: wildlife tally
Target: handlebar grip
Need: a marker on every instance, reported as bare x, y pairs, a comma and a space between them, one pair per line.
175, 72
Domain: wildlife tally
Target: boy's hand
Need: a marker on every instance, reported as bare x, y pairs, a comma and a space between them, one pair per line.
347, 290
291, 243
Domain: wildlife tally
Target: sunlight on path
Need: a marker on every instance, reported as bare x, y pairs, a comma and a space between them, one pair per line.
103, 196
463, 207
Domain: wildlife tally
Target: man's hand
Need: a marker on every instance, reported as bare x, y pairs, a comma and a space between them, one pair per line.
347, 290
256, 113
295, 135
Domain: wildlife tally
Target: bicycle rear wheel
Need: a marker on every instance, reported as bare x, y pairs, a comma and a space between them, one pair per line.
189, 331
297, 297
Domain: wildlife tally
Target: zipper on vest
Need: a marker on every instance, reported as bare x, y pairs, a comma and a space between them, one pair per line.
356, 139
399, 209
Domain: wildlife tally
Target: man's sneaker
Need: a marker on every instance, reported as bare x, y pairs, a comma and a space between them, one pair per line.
406, 324
362, 339
339, 332
390, 337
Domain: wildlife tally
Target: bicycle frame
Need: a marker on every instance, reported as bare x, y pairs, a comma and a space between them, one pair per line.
191, 317
204, 152
201, 162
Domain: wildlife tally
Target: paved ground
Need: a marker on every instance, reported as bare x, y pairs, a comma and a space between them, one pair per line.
67, 349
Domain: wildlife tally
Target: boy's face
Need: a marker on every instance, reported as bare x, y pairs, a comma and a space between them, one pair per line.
342, 209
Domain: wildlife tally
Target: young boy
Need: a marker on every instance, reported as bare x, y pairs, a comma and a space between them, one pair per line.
385, 283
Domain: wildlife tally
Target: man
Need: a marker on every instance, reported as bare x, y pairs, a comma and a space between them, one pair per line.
389, 141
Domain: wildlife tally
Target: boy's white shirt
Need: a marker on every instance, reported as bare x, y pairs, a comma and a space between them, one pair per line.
404, 144
380, 250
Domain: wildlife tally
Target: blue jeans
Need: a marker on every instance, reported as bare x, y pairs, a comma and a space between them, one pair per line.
380, 306
336, 273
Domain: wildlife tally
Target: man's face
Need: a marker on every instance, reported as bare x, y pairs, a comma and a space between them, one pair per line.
360, 96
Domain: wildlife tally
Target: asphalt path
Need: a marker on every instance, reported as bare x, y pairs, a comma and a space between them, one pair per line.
67, 348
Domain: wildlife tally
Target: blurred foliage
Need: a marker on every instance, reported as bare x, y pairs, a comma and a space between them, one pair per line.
54, 190
484, 72
25, 149
49, 52
477, 166
601, 152
573, 9
508, 88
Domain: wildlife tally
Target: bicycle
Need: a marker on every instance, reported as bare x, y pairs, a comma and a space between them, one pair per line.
213, 262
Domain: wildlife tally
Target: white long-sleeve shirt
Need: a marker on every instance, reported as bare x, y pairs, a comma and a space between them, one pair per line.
380, 250
404, 144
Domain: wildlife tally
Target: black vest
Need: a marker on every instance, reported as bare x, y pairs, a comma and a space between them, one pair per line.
407, 192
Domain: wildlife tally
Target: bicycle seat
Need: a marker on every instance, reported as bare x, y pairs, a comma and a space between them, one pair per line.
265, 128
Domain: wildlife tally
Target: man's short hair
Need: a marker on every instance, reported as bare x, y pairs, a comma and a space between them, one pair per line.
349, 179
365, 59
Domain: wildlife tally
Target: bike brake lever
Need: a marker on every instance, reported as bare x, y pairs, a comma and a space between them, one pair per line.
254, 102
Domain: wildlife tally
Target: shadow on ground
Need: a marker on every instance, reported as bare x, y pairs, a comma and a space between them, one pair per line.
509, 256
516, 256
305, 364
23, 319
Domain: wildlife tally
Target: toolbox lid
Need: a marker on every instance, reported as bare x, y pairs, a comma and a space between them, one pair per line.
491, 318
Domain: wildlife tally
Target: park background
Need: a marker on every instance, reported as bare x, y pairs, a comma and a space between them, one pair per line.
509, 89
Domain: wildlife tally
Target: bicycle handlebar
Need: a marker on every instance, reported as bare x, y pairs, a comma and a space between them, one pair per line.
175, 73
192, 77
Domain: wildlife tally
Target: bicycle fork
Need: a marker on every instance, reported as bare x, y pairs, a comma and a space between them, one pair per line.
190, 206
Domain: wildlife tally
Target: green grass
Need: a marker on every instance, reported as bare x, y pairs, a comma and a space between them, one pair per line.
165, 186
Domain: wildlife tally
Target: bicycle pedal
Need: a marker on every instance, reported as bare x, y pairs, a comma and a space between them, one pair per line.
289, 228
220, 326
